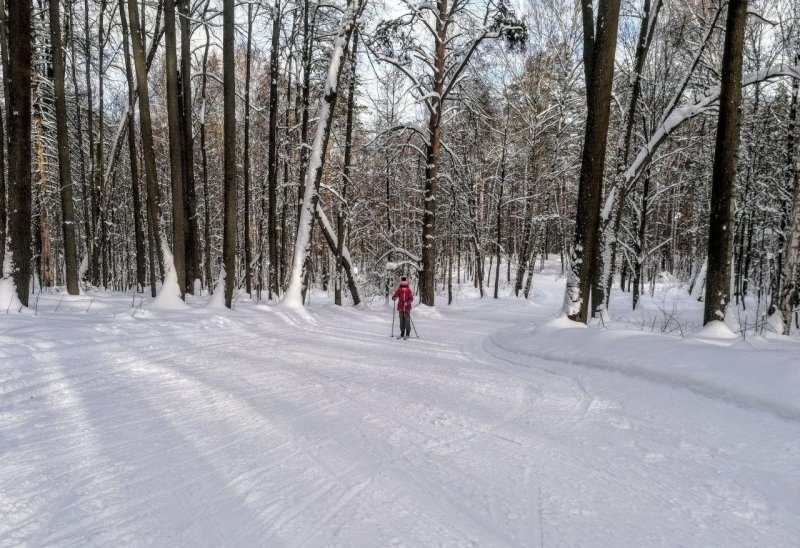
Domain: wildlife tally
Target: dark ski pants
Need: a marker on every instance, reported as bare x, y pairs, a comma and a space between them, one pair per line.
405, 324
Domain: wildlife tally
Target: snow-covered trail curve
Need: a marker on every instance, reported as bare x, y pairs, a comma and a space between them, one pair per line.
250, 429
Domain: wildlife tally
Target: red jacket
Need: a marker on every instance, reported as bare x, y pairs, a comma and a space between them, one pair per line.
404, 297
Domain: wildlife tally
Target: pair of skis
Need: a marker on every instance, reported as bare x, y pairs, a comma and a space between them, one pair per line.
414, 327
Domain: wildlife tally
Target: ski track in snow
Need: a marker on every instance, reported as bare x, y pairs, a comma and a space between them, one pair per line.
250, 429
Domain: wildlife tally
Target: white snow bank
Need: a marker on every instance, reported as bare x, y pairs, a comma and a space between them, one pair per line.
257, 428
734, 370
425, 311
9, 302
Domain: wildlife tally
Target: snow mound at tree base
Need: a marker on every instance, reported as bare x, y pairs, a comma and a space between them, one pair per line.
169, 296
9, 302
717, 330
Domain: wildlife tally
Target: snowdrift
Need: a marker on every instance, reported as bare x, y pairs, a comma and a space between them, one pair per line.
753, 373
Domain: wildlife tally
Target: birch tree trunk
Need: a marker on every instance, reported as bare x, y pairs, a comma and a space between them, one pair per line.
790, 269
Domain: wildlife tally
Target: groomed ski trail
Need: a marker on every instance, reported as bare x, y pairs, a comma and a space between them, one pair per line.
251, 429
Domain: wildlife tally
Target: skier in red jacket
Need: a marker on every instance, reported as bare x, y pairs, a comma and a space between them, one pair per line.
405, 299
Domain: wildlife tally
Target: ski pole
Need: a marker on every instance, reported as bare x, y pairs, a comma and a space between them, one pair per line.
412, 325
393, 311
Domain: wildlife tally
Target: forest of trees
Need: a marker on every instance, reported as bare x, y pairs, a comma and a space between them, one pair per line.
267, 146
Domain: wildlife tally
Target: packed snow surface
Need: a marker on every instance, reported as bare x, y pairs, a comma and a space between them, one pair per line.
126, 425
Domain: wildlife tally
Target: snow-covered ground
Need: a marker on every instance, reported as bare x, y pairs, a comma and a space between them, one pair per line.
125, 425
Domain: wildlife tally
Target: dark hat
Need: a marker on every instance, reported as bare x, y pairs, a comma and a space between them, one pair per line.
402, 278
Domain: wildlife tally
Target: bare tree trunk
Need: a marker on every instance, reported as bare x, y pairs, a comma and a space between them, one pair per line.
524, 253
204, 161
333, 245
723, 183
4, 22
498, 245
62, 138
192, 247
3, 205
175, 146
43, 219
3, 189
532, 261
640, 246
609, 227
272, 169
89, 194
79, 127
476, 243
300, 266
285, 202
19, 145
427, 281
99, 191
590, 190
305, 93
341, 223
229, 150
791, 270
248, 245
132, 152
148, 152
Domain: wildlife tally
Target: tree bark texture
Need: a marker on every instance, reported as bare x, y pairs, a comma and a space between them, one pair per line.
248, 244
191, 234
433, 151
175, 146
791, 273
316, 163
19, 145
341, 215
590, 189
62, 141
272, 168
726, 154
229, 151
133, 153
148, 153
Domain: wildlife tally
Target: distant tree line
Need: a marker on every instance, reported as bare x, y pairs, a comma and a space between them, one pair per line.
270, 146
